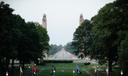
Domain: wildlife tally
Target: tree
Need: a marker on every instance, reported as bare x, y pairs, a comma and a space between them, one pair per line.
43, 39
9, 35
107, 25
54, 48
83, 37
123, 37
19, 40
123, 52
70, 48
32, 43
105, 33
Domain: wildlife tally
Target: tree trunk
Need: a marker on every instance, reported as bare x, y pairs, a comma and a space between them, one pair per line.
125, 68
22, 63
110, 67
2, 68
12, 65
12, 68
7, 65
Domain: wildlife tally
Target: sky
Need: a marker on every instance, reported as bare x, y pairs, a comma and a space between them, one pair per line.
62, 15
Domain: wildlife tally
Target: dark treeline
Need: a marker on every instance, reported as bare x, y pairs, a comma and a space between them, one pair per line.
70, 48
105, 36
54, 49
19, 40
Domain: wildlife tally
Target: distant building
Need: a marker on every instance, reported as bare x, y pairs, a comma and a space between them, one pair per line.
44, 24
44, 21
81, 19
81, 52
63, 55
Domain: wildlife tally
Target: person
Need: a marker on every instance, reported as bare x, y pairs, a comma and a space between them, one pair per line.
78, 69
34, 70
53, 70
21, 71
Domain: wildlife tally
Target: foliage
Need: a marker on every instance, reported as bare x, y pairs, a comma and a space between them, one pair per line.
83, 37
107, 35
54, 48
18, 39
70, 48
123, 35
123, 52
108, 27
33, 42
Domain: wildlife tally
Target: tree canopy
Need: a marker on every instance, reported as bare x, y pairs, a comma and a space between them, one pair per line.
108, 35
54, 48
18, 39
83, 37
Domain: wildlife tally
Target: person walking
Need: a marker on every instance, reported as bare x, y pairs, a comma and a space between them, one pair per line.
78, 69
21, 71
53, 70
34, 70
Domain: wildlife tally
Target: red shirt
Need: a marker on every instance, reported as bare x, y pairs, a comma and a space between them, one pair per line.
34, 69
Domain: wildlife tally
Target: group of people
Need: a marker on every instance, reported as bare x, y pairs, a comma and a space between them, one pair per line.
34, 70
76, 70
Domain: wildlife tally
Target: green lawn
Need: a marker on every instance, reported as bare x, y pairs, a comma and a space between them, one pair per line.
62, 69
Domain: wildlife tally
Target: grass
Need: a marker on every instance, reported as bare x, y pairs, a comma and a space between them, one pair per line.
66, 69
62, 69
101, 70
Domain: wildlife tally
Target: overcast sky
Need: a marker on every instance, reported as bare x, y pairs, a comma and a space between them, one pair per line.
62, 15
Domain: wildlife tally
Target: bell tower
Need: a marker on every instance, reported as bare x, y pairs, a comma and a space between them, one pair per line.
44, 24
81, 19
44, 21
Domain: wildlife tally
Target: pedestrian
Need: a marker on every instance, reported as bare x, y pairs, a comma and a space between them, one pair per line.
34, 70
53, 70
78, 69
21, 71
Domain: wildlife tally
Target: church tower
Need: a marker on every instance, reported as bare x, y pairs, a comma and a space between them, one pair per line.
81, 52
81, 19
44, 24
44, 21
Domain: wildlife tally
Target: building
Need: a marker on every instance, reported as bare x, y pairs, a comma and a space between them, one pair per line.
44, 21
44, 24
81, 19
63, 55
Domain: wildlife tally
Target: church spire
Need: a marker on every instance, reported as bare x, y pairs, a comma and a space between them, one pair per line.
81, 19
44, 21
